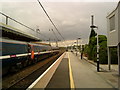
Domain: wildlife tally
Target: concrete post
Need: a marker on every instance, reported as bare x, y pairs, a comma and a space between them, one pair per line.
109, 59
118, 59
119, 66
6, 20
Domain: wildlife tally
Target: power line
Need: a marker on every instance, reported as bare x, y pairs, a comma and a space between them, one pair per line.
50, 19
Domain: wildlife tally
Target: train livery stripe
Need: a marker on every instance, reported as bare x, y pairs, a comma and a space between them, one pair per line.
22, 54
19, 55
4, 57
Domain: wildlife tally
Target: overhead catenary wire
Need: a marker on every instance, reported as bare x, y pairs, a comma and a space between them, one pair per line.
50, 19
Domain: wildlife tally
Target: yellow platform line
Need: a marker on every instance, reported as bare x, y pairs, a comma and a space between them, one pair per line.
71, 75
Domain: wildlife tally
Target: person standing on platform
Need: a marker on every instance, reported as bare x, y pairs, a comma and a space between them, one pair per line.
82, 53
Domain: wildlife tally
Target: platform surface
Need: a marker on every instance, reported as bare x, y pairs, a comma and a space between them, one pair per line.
83, 73
60, 78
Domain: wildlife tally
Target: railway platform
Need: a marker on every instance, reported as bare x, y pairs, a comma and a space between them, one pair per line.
69, 71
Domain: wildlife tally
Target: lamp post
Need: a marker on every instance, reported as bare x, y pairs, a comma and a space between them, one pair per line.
77, 44
92, 27
97, 47
97, 51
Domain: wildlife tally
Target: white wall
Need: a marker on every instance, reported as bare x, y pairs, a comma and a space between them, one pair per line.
114, 35
119, 23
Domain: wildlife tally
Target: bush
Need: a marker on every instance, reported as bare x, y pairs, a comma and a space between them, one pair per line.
91, 49
114, 57
103, 57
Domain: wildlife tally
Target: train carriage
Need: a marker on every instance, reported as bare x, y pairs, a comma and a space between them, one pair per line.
13, 52
18, 54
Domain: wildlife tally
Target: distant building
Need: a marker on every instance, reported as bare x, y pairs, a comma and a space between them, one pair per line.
113, 24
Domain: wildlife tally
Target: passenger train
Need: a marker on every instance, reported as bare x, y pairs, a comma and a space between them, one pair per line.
18, 54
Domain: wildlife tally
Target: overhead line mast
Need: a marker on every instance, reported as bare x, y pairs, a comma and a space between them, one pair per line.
55, 35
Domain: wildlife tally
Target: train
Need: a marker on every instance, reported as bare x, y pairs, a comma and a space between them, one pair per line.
18, 54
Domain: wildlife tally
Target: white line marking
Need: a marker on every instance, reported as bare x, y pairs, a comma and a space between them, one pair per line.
36, 81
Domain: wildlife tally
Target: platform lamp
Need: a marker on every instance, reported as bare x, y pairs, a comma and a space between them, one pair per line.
78, 41
97, 47
77, 44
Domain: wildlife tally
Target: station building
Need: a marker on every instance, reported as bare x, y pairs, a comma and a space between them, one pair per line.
113, 34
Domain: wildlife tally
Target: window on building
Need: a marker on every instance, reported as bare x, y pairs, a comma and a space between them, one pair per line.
112, 23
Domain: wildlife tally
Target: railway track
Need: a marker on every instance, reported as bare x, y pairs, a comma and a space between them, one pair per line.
23, 79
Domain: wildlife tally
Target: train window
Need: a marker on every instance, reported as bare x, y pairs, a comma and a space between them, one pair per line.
36, 48
29, 48
12, 48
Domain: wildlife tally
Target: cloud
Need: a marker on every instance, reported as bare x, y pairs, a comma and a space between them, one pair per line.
68, 23
71, 18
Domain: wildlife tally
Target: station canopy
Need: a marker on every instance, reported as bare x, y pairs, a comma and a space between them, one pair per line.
16, 34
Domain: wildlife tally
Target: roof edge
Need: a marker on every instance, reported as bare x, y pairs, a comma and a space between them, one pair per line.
114, 9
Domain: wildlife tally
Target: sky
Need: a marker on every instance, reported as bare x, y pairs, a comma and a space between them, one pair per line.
72, 17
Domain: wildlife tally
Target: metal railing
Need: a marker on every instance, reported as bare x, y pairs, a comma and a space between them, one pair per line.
7, 22
8, 17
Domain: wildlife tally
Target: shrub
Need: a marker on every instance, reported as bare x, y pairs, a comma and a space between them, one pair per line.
114, 58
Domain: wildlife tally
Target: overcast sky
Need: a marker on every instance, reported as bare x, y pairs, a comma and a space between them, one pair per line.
72, 18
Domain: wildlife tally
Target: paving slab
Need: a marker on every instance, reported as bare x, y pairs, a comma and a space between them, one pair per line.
85, 75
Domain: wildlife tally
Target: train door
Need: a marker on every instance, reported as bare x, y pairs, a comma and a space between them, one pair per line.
30, 54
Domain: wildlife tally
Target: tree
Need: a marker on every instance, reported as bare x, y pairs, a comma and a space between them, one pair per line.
91, 49
92, 34
91, 45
